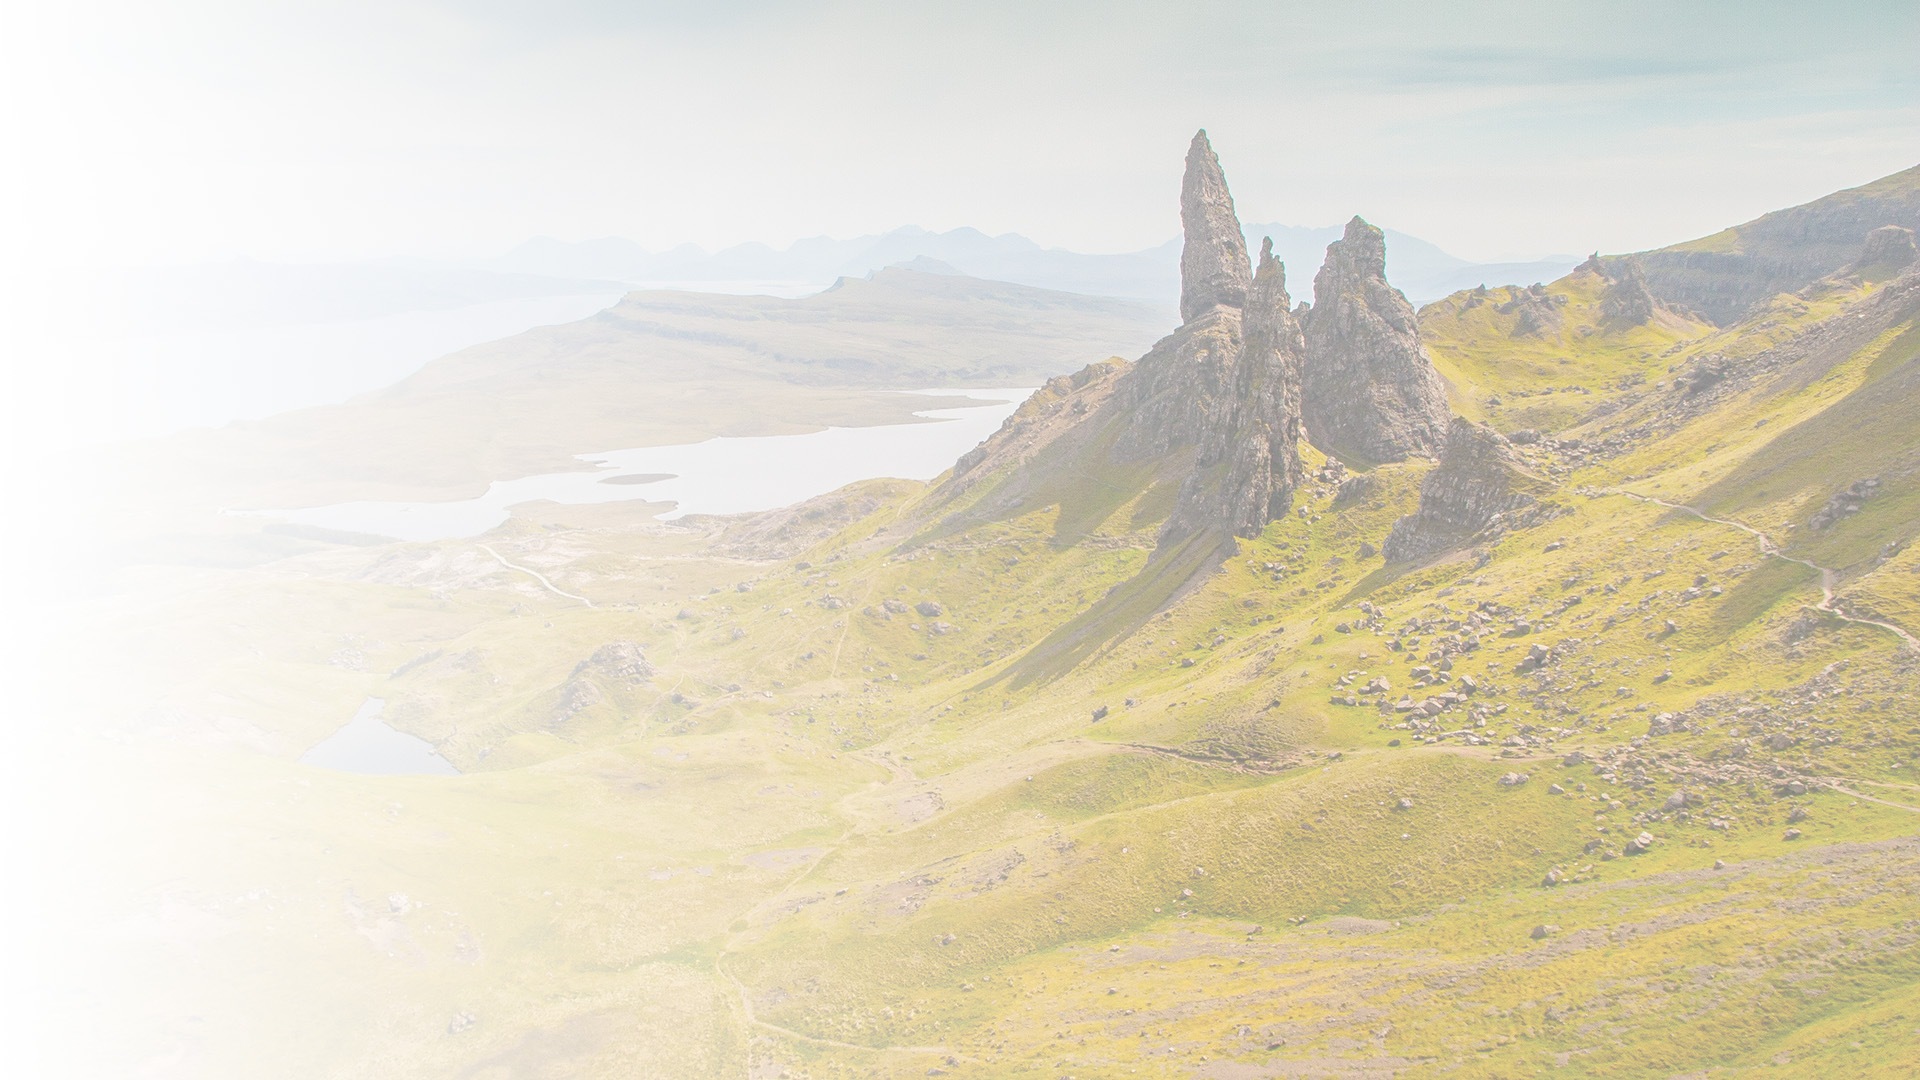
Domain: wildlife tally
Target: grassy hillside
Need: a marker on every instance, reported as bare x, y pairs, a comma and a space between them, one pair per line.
1725, 274
954, 779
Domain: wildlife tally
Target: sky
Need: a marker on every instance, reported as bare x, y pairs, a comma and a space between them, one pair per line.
201, 130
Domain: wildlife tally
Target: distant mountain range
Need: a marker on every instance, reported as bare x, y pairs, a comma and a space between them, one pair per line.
1418, 268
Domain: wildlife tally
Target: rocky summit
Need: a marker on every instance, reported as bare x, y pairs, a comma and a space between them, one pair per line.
1369, 392
1213, 262
1226, 399
1212, 410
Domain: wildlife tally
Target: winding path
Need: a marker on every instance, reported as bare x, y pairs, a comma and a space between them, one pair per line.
1768, 547
535, 574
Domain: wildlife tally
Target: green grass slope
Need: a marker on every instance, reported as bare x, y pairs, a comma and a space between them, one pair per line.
952, 780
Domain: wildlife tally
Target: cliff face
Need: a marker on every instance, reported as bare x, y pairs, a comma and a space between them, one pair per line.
1888, 248
1369, 390
1723, 275
1480, 489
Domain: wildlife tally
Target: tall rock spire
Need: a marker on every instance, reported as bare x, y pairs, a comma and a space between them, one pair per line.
1369, 391
1213, 264
1247, 462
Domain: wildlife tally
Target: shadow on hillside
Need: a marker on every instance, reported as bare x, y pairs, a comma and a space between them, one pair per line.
1379, 578
1119, 613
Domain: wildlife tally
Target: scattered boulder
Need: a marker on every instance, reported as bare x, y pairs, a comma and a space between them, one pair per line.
1538, 656
1639, 844
1513, 779
930, 609
1544, 930
1846, 503
1791, 834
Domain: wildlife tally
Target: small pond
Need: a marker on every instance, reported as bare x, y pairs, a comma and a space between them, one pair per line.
368, 745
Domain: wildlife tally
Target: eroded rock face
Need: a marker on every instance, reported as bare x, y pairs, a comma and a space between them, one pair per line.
1626, 300
1889, 247
622, 662
1481, 489
1247, 462
1213, 262
1369, 390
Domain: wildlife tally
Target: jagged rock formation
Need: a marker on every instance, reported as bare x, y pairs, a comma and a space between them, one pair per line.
1627, 301
1725, 274
1214, 406
1888, 247
619, 662
1369, 390
1247, 464
1213, 264
1536, 311
1481, 489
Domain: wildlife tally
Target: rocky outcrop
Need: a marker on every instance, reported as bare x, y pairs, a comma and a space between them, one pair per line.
1480, 490
1213, 262
1536, 312
621, 663
1369, 391
1247, 463
1888, 248
1626, 300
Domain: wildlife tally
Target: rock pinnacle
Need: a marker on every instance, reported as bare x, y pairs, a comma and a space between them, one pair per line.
1213, 264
